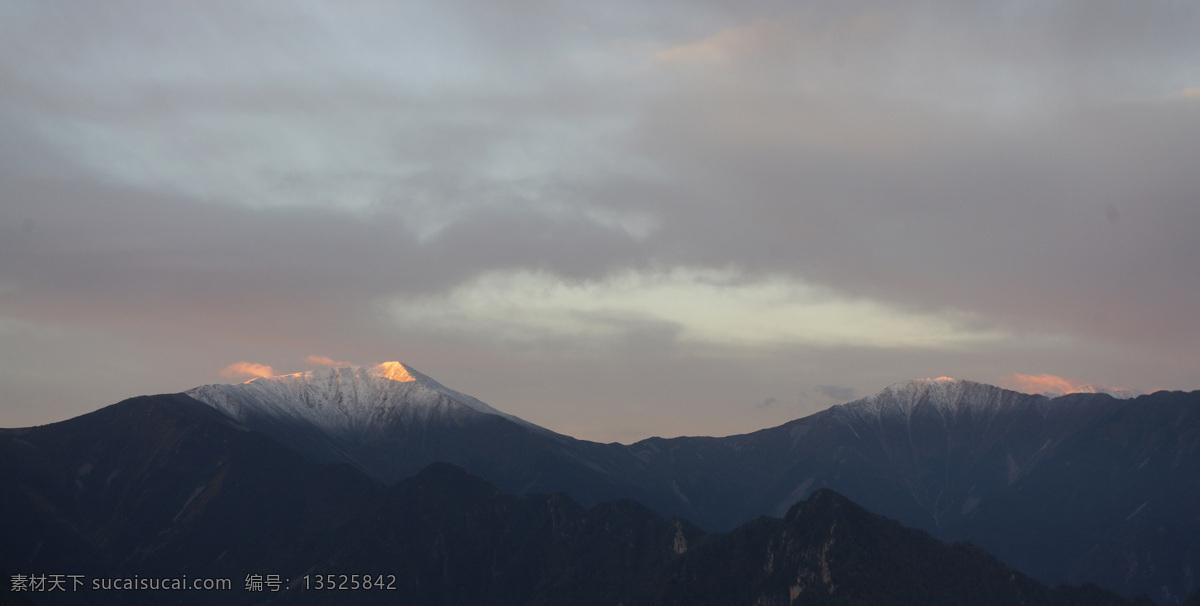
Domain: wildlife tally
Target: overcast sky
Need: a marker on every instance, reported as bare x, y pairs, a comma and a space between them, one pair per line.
613, 219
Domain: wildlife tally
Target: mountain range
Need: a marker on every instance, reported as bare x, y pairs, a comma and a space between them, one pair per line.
165, 488
1084, 488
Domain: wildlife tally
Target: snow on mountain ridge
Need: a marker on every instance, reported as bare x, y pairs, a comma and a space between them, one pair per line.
347, 400
943, 396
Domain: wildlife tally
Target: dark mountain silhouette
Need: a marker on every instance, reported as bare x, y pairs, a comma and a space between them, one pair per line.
164, 486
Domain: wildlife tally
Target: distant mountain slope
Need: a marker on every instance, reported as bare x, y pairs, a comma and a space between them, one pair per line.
1118, 502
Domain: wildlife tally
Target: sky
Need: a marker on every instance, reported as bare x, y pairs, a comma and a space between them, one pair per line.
612, 219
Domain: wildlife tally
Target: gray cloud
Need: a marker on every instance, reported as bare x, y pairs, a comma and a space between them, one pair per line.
980, 224
269, 181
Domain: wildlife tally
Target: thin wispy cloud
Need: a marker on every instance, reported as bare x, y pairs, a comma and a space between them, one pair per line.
325, 361
247, 369
1051, 385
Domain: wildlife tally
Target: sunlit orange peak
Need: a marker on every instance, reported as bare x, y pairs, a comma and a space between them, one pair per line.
942, 379
394, 371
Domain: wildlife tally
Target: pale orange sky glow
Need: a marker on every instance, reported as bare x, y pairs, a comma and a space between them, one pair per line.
247, 369
1051, 385
325, 361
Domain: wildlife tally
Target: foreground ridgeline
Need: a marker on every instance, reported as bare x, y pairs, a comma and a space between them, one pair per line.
286, 480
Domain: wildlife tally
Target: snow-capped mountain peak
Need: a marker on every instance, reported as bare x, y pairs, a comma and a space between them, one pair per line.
394, 371
346, 400
943, 396
388, 420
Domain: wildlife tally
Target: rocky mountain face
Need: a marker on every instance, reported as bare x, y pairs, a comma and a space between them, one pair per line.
548, 550
164, 487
